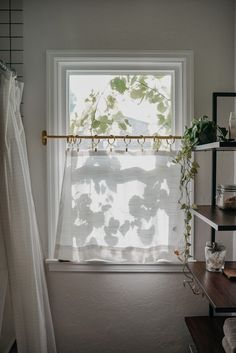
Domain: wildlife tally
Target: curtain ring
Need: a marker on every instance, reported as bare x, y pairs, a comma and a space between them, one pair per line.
70, 142
78, 142
127, 142
92, 145
74, 139
157, 140
170, 141
141, 143
111, 143
95, 145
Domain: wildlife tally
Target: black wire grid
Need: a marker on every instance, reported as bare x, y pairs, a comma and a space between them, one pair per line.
11, 35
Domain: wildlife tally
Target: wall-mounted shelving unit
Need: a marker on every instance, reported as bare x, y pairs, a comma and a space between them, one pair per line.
216, 218
218, 146
207, 331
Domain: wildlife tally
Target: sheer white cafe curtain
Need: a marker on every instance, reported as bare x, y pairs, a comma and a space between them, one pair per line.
21, 260
119, 207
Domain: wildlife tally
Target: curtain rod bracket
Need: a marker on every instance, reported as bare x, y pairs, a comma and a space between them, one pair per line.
44, 137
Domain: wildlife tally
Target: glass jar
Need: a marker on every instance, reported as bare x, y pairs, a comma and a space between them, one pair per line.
226, 197
215, 256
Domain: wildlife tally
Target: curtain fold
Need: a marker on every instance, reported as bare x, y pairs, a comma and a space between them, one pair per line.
19, 235
3, 279
119, 207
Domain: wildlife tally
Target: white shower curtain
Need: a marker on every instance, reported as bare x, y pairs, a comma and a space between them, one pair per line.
119, 207
21, 258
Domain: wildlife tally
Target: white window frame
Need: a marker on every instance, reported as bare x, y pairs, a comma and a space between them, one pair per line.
61, 62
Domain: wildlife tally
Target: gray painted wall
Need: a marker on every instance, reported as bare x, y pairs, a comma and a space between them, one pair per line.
125, 312
122, 313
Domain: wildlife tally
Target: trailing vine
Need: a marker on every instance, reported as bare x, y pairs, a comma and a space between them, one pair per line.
202, 131
188, 169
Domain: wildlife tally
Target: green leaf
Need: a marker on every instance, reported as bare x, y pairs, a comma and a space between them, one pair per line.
137, 93
111, 101
118, 84
103, 128
122, 126
161, 107
155, 98
103, 119
95, 124
195, 164
127, 122
161, 119
222, 132
118, 116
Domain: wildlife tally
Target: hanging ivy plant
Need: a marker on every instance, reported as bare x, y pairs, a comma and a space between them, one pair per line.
201, 131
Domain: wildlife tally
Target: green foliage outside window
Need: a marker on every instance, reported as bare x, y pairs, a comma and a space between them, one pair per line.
97, 121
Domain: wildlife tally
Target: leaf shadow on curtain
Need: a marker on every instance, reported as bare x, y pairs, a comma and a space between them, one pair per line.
122, 201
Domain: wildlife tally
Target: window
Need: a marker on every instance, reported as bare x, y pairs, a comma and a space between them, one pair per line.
121, 103
113, 93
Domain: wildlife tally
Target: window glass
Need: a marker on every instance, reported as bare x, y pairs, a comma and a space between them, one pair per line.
121, 104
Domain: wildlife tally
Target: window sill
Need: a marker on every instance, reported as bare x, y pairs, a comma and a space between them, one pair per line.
57, 266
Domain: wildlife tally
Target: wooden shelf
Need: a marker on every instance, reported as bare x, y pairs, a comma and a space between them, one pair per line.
207, 333
218, 146
216, 218
220, 291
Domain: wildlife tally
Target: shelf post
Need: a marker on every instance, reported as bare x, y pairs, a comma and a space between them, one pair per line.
214, 163
211, 311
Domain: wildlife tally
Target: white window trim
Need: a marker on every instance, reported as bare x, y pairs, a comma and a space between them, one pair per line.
57, 65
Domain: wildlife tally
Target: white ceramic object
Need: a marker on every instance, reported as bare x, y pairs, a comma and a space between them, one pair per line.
232, 125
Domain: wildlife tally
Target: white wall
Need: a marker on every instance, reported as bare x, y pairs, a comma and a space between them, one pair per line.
125, 312
122, 313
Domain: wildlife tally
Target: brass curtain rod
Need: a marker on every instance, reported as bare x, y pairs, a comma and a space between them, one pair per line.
45, 137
